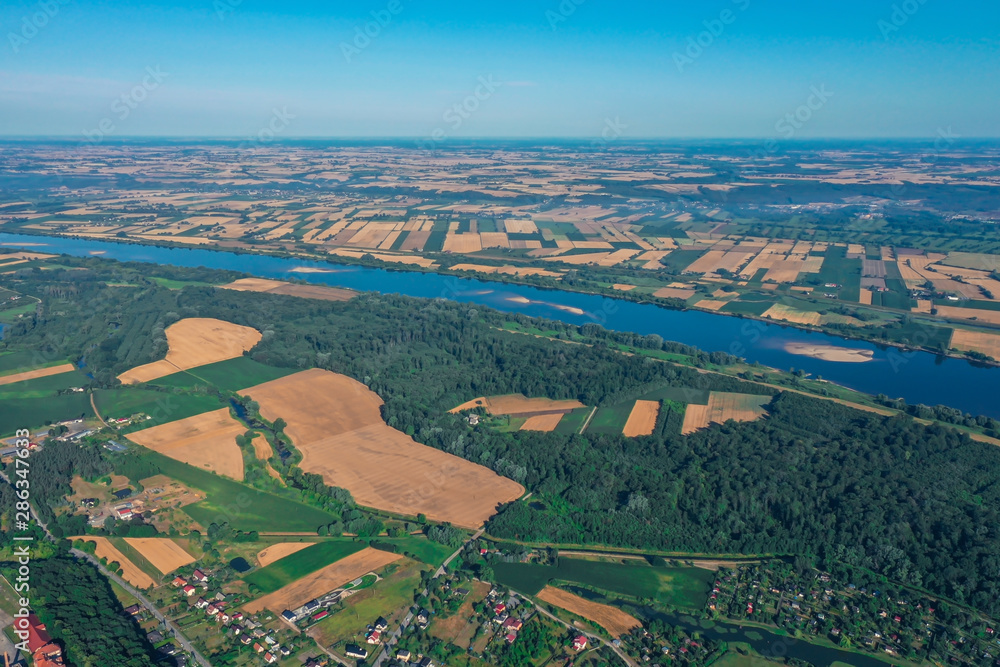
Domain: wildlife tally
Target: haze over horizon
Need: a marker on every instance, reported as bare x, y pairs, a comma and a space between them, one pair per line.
579, 69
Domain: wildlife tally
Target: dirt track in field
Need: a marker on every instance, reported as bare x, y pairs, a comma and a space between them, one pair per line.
195, 342
336, 423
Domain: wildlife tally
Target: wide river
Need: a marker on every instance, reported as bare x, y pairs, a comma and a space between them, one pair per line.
917, 377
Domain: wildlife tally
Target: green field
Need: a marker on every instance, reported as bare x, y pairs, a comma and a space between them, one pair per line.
229, 375
11, 315
162, 406
25, 360
757, 308
423, 549
18, 413
44, 386
242, 507
573, 421
611, 420
294, 567
682, 587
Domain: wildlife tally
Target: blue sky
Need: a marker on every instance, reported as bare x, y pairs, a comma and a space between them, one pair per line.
577, 68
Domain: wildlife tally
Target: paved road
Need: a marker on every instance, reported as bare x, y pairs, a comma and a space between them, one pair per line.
398, 632
594, 638
178, 635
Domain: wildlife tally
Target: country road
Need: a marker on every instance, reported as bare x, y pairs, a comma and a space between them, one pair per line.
620, 653
178, 635
398, 632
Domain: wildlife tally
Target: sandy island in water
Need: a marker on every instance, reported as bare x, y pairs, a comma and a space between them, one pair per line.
310, 269
568, 309
830, 353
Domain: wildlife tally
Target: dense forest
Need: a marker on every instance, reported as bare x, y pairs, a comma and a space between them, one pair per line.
79, 609
918, 504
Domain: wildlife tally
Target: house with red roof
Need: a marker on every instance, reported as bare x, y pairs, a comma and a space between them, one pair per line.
580, 643
44, 652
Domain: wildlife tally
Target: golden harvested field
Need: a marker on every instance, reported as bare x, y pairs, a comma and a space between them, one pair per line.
291, 289
518, 405
195, 342
415, 241
130, 572
723, 406
520, 227
788, 314
709, 304
165, 554
206, 441
38, 373
977, 341
336, 423
544, 423
642, 419
276, 552
865, 297
991, 316
462, 243
615, 621
322, 581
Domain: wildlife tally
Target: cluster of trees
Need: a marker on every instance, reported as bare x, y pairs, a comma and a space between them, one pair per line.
79, 609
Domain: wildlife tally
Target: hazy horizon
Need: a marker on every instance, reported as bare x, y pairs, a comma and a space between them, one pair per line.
728, 69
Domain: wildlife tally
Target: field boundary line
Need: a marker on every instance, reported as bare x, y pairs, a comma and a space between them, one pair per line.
587, 423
